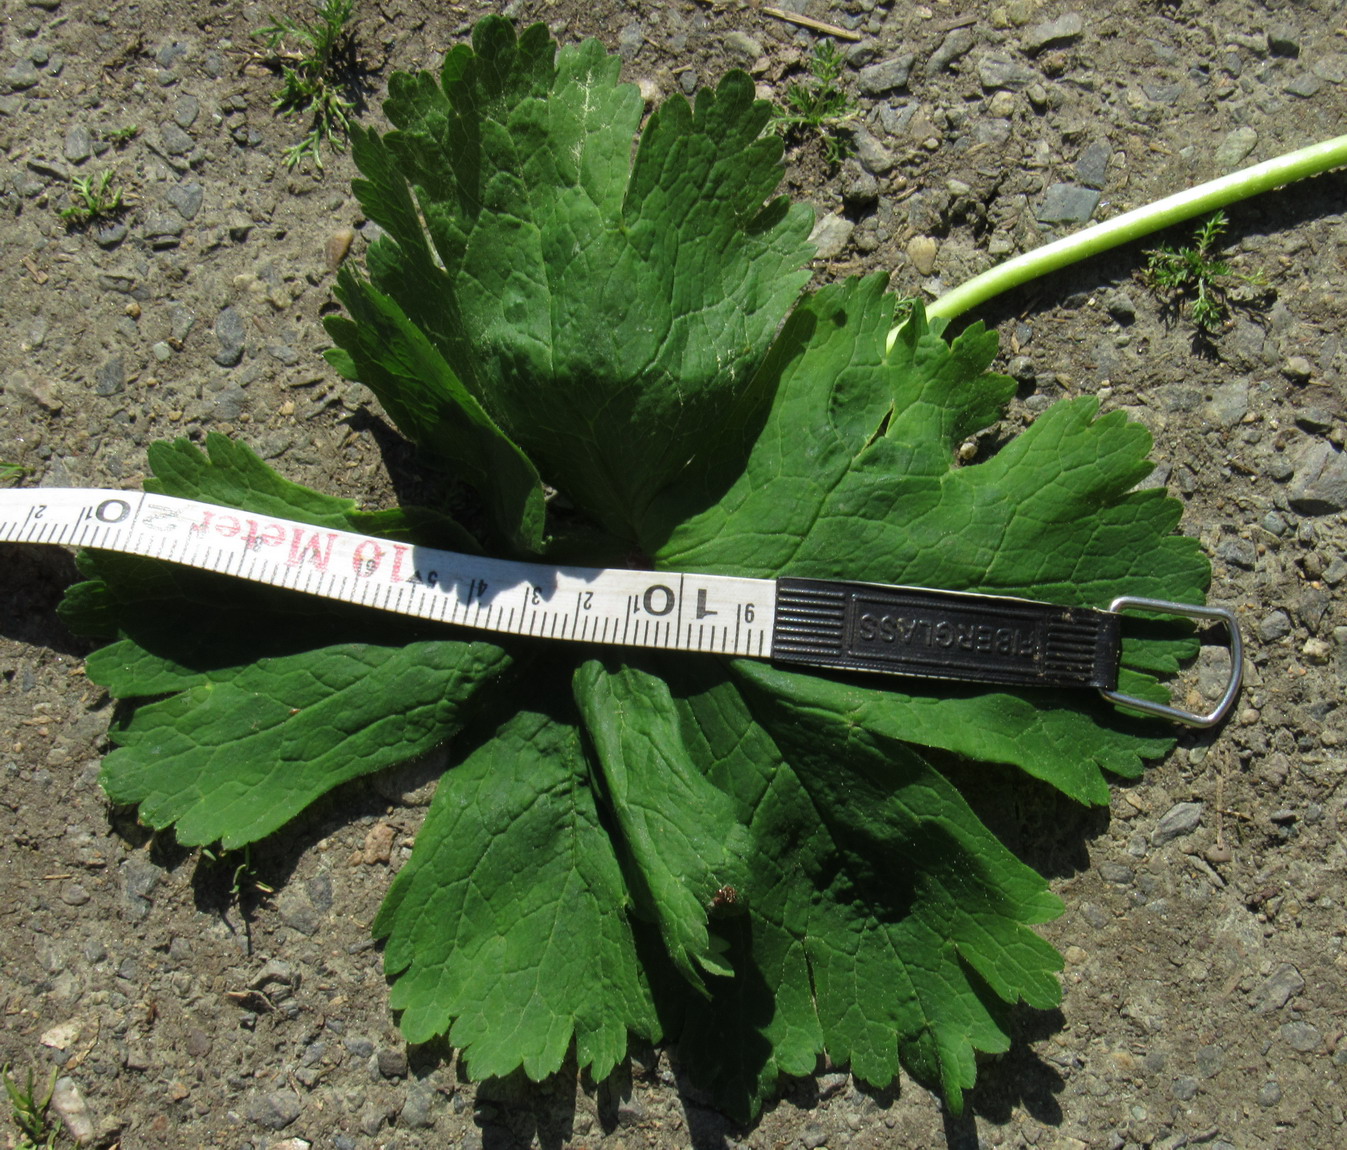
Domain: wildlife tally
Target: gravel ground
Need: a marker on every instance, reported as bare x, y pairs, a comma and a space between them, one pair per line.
1206, 979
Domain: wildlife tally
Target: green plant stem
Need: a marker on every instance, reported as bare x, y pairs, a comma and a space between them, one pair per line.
1208, 197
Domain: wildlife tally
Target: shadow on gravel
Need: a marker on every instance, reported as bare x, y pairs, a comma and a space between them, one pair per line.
32, 581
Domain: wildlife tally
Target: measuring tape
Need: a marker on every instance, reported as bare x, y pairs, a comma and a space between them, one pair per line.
820, 623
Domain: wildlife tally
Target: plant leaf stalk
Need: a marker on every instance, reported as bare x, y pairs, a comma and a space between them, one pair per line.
1208, 197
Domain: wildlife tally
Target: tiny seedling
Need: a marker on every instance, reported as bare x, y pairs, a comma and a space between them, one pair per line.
11, 473
244, 879
28, 1111
1196, 276
315, 78
820, 106
94, 199
120, 137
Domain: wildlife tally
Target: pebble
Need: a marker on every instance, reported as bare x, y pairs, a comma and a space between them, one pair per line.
1228, 404
275, 1109
742, 47
417, 1110
1002, 72
1300, 1035
186, 199
1053, 33
1092, 166
1269, 1094
1184, 1088
110, 377
229, 331
1297, 369
1238, 553
1274, 625
1316, 651
922, 251
174, 140
886, 76
1179, 820
1282, 985
79, 144
393, 1063
1236, 146
1306, 86
874, 157
1068, 204
955, 44
22, 75
185, 111
337, 247
1319, 480
830, 235
1120, 306
1283, 40
68, 1102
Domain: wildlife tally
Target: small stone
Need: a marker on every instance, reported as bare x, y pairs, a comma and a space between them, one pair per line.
1316, 419
417, 1111
1282, 985
21, 76
296, 911
1120, 306
275, 971
830, 235
1274, 625
874, 157
922, 250
79, 144
185, 110
393, 1063
886, 76
175, 141
186, 199
1092, 166
1319, 482
1317, 651
1297, 369
338, 247
358, 1046
1283, 41
742, 47
110, 377
1307, 85
1210, 1060
1269, 1094
1236, 146
1068, 204
1053, 33
74, 894
1238, 553
1002, 72
68, 1102
1181, 819
230, 332
1184, 1088
955, 44
1229, 403
274, 1110
379, 844
1301, 1036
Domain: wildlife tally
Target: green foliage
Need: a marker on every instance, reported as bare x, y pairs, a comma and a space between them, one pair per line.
820, 107
1196, 276
28, 1111
11, 472
122, 136
94, 199
316, 77
758, 864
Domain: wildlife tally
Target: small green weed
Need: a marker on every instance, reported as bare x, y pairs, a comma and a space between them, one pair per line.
29, 1111
1197, 276
820, 106
120, 137
94, 199
11, 473
315, 79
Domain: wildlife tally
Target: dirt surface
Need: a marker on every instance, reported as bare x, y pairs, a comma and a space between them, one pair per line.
1206, 979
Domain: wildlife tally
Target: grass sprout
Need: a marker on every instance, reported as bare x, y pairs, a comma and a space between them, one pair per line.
819, 106
120, 137
1197, 276
28, 1111
316, 76
94, 199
